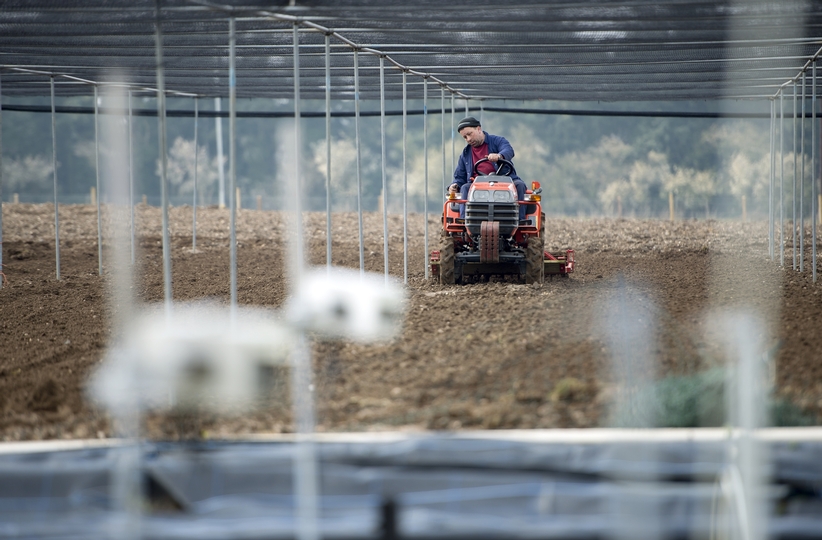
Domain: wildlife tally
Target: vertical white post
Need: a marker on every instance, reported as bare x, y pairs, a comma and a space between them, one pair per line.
453, 140
445, 181
305, 463
404, 180
384, 179
97, 172
359, 164
425, 167
194, 194
781, 180
2, 275
232, 157
161, 123
814, 177
54, 175
131, 176
328, 151
793, 219
771, 181
218, 126
802, 183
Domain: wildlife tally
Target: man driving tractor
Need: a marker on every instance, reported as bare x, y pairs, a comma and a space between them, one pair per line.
482, 145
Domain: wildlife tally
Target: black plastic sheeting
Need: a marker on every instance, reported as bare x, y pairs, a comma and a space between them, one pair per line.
418, 487
585, 50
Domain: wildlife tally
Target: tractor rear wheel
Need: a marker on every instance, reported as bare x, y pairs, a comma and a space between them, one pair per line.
534, 260
446, 259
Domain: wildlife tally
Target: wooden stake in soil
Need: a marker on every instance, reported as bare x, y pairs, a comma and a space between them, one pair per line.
93, 196
744, 208
259, 203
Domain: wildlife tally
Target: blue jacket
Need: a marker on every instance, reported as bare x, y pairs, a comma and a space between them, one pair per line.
496, 145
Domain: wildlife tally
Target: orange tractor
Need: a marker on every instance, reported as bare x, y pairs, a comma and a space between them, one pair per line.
491, 239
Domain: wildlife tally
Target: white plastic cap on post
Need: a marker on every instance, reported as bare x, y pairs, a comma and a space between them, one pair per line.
200, 356
343, 303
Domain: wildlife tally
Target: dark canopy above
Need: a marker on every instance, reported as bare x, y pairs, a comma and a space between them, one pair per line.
575, 50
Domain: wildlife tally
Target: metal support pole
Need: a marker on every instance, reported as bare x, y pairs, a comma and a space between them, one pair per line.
328, 151
814, 176
54, 174
425, 168
771, 182
194, 196
305, 462
445, 181
453, 139
482, 111
97, 172
218, 126
357, 144
404, 180
232, 156
384, 179
793, 219
466, 107
2, 275
802, 184
781, 180
131, 176
161, 118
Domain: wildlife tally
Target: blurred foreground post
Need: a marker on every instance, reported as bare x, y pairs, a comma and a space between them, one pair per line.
92, 196
671, 204
746, 475
744, 208
305, 477
259, 203
161, 127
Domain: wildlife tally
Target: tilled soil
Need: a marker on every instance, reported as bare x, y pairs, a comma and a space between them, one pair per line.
487, 355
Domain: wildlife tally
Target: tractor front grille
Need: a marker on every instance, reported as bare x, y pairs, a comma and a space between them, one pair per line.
507, 214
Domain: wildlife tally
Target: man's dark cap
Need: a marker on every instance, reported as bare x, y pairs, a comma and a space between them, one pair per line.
468, 121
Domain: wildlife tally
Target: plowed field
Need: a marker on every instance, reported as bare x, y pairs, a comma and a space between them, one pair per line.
487, 355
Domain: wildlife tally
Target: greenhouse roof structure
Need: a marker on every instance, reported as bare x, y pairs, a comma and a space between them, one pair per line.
587, 50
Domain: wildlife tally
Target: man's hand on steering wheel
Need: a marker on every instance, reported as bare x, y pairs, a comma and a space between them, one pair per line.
493, 158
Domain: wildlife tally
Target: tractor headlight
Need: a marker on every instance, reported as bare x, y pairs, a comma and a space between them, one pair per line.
481, 195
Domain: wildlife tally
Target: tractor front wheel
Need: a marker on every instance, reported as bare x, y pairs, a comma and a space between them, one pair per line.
534, 260
446, 259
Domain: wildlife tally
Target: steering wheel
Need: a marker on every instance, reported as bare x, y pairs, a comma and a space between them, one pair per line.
502, 163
